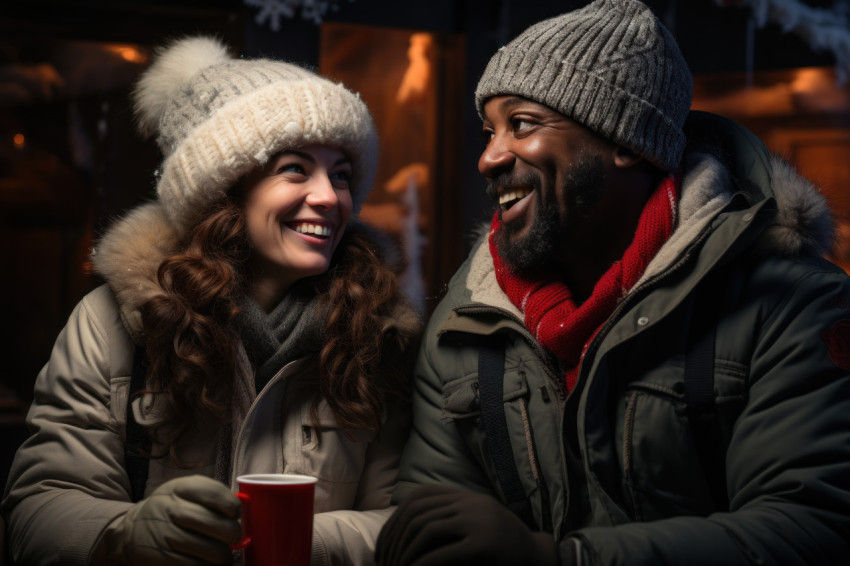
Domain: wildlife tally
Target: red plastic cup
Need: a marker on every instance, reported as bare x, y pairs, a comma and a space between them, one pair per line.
277, 519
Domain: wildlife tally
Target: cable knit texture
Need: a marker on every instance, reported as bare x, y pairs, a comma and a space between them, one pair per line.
216, 119
611, 66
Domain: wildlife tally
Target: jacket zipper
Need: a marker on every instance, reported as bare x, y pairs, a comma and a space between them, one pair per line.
281, 375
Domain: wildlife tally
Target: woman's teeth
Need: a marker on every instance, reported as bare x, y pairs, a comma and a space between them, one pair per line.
506, 200
313, 230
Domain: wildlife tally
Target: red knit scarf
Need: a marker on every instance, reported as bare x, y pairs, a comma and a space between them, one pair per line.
560, 325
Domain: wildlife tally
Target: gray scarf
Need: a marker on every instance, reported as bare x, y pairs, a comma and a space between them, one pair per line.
290, 331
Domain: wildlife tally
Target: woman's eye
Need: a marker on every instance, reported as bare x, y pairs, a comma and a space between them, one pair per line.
290, 168
341, 179
487, 135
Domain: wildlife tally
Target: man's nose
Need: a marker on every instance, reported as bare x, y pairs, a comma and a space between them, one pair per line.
496, 158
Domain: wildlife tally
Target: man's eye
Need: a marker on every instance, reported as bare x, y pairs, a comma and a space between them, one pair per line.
520, 124
487, 135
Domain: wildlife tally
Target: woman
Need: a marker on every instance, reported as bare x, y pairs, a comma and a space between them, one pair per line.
269, 332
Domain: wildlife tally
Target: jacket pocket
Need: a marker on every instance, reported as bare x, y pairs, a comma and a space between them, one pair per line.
328, 451
334, 455
462, 407
461, 400
663, 457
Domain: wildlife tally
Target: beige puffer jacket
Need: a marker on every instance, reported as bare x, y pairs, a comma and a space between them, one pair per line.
68, 480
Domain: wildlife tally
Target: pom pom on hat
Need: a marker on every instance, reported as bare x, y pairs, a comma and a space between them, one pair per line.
217, 118
172, 68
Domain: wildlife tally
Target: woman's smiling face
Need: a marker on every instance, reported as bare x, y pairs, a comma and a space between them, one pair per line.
296, 210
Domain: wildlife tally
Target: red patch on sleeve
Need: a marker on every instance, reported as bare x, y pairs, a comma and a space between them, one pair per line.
837, 341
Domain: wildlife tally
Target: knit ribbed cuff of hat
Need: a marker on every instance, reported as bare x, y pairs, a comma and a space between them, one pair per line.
590, 100
221, 150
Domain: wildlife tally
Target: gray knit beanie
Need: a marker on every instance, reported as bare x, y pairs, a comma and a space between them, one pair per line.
611, 66
217, 118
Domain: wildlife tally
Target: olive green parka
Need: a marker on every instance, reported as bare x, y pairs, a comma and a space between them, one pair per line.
616, 464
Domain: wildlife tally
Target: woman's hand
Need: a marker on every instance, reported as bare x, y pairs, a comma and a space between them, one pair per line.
190, 520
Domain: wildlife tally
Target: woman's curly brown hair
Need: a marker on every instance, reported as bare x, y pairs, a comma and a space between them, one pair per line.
363, 360
193, 340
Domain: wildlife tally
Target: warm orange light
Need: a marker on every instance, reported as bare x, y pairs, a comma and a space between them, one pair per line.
19, 141
418, 74
128, 53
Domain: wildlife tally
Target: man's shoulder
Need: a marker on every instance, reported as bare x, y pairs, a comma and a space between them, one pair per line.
458, 290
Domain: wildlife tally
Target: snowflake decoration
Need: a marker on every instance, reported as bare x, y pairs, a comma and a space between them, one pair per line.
822, 29
272, 10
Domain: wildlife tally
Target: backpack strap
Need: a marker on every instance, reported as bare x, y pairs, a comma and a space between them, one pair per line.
699, 392
491, 372
137, 445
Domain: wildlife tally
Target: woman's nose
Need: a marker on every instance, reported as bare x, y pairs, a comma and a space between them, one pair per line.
321, 192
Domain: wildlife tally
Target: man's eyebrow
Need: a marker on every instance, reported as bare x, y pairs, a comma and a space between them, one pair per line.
506, 104
513, 101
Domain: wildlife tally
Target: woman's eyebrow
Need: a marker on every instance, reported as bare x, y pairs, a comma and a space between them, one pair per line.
310, 158
301, 154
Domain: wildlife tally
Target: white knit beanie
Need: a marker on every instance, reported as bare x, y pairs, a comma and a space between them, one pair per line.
217, 118
611, 66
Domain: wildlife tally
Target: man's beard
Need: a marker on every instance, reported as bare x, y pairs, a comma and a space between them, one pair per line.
537, 250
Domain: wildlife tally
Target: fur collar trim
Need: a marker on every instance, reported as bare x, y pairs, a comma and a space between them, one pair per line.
128, 256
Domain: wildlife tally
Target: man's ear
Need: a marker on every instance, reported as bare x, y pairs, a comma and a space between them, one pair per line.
625, 157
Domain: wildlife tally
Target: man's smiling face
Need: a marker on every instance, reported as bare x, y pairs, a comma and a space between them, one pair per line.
546, 174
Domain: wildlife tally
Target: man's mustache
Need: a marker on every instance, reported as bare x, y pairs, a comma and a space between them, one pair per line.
506, 182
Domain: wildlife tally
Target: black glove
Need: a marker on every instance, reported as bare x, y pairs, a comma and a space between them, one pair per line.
442, 526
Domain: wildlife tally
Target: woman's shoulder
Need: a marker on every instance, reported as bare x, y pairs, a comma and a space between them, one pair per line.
101, 305
98, 310
92, 349
102, 319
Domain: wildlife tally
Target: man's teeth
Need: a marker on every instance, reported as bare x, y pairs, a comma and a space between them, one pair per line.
313, 229
513, 195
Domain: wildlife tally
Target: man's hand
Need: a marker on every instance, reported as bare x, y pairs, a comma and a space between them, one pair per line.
443, 526
190, 520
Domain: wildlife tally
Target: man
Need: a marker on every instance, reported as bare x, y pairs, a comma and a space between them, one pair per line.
646, 360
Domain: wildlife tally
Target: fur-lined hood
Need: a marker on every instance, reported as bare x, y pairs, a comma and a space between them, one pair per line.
128, 256
723, 153
802, 224
131, 250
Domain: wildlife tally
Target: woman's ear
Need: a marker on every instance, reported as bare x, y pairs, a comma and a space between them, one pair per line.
625, 157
